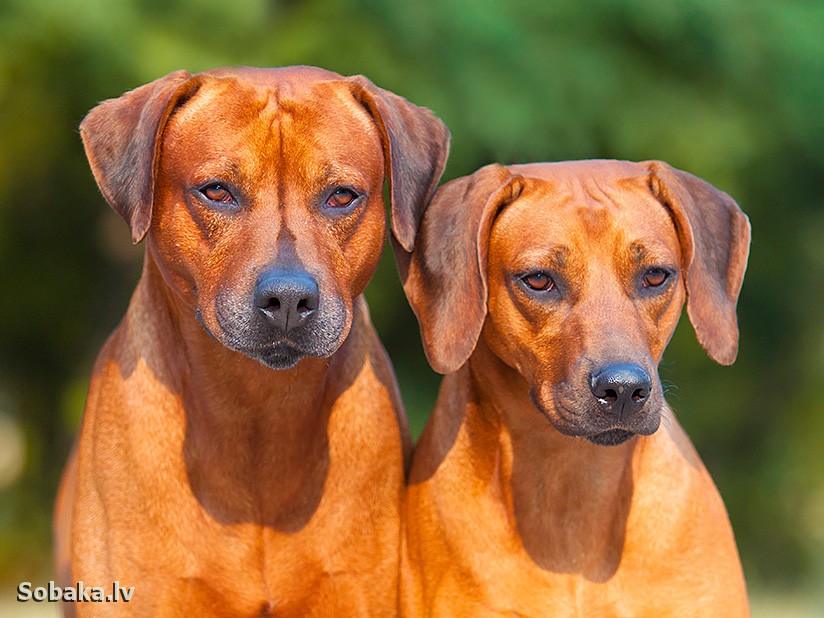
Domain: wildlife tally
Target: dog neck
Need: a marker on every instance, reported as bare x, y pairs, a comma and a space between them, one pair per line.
573, 519
217, 399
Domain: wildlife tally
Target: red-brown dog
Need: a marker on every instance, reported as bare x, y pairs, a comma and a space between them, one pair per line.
542, 484
242, 450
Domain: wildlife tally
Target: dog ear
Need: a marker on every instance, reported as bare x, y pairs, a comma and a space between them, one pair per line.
415, 145
122, 141
715, 243
446, 282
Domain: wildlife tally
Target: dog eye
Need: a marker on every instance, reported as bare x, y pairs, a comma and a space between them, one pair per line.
655, 277
341, 198
217, 193
538, 281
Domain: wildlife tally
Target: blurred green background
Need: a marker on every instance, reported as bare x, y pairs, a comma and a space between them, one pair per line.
729, 90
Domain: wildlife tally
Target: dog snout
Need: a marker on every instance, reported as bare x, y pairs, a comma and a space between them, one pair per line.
287, 299
621, 388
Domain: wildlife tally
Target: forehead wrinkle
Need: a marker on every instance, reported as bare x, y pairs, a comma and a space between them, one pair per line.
651, 233
556, 194
233, 131
196, 104
595, 190
610, 206
536, 215
213, 154
331, 146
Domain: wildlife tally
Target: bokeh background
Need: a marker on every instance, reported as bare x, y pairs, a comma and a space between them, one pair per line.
729, 90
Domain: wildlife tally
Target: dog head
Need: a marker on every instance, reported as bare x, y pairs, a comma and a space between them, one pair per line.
260, 193
575, 274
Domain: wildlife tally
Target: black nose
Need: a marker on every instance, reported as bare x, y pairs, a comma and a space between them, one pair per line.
287, 298
622, 388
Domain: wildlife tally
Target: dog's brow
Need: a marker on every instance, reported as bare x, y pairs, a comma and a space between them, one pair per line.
334, 173
559, 255
642, 254
220, 168
551, 257
638, 251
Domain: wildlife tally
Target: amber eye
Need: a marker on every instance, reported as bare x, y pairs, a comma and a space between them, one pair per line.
341, 198
538, 281
655, 277
217, 193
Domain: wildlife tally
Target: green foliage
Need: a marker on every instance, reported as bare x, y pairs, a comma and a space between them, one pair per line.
730, 91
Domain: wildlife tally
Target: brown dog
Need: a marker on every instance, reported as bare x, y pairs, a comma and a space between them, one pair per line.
243, 445
542, 484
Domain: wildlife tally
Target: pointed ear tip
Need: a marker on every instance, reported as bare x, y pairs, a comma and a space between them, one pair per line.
138, 227
404, 237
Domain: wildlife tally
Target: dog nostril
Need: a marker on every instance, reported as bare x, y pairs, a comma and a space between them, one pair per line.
287, 299
621, 387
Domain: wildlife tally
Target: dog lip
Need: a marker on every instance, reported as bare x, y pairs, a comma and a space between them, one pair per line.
281, 347
251, 350
241, 331
569, 421
278, 357
613, 437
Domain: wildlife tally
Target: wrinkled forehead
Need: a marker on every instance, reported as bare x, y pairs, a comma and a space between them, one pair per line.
590, 208
311, 115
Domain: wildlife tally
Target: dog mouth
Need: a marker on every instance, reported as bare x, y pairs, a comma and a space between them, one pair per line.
613, 437
279, 356
240, 328
570, 418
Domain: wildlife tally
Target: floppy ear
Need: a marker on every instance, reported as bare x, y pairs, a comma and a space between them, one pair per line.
715, 244
122, 141
415, 146
446, 280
